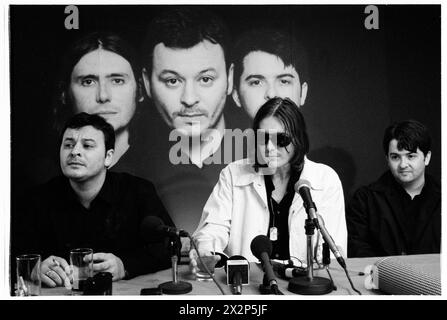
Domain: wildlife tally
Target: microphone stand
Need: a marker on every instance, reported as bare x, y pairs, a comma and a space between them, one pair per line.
175, 286
310, 285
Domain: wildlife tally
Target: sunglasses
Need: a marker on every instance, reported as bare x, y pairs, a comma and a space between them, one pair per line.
282, 139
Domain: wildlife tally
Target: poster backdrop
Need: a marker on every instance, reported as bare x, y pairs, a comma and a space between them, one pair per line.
360, 81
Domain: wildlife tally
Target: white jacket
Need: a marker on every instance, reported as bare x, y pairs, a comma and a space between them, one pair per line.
237, 211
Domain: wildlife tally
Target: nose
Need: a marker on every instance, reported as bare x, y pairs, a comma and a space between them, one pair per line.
189, 96
403, 162
269, 147
270, 91
103, 94
76, 151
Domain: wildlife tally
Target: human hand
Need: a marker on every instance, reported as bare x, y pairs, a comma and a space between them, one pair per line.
193, 259
108, 262
55, 271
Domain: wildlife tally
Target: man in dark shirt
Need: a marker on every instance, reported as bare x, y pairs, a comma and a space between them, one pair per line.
401, 212
90, 207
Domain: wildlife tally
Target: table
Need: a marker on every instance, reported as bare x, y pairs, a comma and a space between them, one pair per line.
429, 263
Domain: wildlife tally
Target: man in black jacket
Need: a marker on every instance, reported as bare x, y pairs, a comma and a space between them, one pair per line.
400, 213
89, 207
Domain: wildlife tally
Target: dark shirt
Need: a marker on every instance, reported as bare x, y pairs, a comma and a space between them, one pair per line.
383, 220
279, 217
411, 209
50, 220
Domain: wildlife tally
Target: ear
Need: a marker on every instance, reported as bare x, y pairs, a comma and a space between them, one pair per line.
230, 79
303, 93
427, 158
146, 81
140, 90
109, 158
62, 97
235, 96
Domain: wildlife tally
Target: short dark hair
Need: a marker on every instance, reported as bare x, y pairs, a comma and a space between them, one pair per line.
274, 41
410, 135
184, 27
286, 111
84, 119
96, 40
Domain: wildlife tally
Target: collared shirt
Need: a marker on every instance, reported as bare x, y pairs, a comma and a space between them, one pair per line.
52, 221
236, 211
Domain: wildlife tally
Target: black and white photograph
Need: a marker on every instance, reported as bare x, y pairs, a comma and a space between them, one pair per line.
201, 150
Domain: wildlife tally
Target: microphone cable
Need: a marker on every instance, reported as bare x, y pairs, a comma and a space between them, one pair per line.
276, 290
206, 268
327, 261
326, 256
267, 288
350, 281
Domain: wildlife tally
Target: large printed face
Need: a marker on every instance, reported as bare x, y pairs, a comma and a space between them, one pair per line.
82, 153
189, 86
407, 167
103, 83
264, 76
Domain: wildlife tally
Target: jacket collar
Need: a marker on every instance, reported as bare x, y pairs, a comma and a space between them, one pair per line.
388, 184
247, 175
310, 173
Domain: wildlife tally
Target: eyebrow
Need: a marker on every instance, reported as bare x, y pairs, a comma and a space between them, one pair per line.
208, 70
95, 76
403, 153
260, 76
166, 71
286, 75
254, 76
83, 139
117, 74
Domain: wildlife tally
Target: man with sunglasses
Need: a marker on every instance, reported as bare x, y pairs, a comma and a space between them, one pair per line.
258, 198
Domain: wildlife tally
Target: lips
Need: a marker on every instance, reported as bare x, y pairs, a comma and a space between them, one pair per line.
102, 114
106, 112
190, 115
74, 163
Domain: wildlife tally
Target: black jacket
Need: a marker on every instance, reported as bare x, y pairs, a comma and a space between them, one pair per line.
375, 220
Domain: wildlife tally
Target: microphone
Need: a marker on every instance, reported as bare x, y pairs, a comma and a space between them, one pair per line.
398, 275
261, 247
303, 188
288, 271
153, 229
237, 269
327, 237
